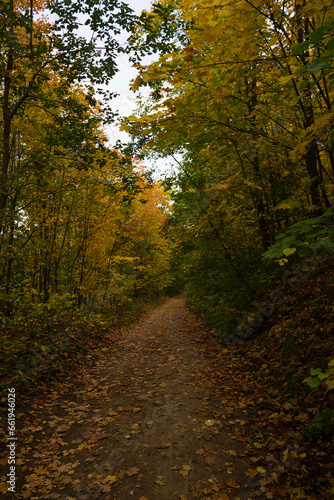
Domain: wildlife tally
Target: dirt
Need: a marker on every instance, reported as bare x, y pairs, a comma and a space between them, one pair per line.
147, 421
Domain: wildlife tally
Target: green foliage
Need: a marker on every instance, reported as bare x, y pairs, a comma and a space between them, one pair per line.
318, 377
303, 238
320, 427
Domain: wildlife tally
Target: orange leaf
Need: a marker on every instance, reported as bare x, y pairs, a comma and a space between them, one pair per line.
232, 484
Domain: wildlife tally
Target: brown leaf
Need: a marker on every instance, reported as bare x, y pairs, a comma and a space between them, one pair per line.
207, 491
231, 452
100, 436
231, 484
133, 471
251, 473
105, 488
26, 494
160, 481
163, 446
185, 470
200, 452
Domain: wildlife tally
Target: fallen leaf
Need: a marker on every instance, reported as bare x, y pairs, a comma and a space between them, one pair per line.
112, 479
160, 481
207, 491
133, 471
231, 452
251, 472
163, 446
200, 452
26, 494
105, 488
258, 445
100, 436
232, 484
185, 470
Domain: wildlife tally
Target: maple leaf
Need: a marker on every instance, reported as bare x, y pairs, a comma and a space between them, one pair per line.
231, 452
251, 472
40, 470
232, 484
132, 471
112, 480
26, 494
207, 491
160, 481
200, 452
185, 470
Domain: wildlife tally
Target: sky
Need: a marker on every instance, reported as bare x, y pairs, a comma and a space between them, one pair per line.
125, 103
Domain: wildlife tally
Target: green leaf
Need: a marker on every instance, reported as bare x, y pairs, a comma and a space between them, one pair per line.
330, 384
46, 349
316, 66
316, 371
312, 382
289, 251
300, 47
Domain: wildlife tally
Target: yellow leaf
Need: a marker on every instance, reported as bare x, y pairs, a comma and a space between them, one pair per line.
185, 470
258, 445
112, 479
136, 84
232, 484
289, 251
160, 481
251, 473
285, 79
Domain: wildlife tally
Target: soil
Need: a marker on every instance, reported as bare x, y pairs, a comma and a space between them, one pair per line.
147, 421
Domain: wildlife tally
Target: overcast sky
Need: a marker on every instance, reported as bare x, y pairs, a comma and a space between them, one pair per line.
125, 103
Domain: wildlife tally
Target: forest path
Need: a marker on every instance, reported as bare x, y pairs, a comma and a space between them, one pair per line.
146, 422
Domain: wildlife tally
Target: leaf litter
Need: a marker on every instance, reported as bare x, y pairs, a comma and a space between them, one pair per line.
155, 416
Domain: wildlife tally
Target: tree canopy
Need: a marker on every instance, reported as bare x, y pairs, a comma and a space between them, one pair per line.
244, 98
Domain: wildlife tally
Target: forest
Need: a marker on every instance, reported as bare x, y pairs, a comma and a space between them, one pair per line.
241, 98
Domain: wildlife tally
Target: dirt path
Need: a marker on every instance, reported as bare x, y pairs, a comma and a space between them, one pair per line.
146, 422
